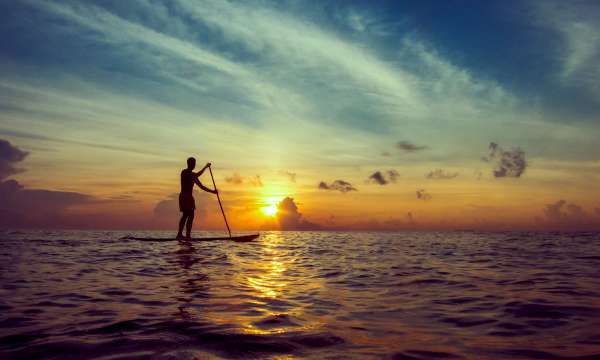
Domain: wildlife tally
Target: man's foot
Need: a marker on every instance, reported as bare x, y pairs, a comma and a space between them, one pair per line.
179, 237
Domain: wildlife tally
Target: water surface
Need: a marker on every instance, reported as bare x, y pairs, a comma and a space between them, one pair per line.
91, 294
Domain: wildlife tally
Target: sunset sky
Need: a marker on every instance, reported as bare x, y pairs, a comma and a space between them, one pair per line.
315, 114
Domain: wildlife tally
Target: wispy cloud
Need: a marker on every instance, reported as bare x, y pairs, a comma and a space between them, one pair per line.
578, 26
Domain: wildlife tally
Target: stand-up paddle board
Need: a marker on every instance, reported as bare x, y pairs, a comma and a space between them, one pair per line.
241, 238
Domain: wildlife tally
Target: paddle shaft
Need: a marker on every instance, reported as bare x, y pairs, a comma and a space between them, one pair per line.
219, 198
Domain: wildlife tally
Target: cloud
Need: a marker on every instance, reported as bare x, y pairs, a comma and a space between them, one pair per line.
393, 175
259, 54
256, 181
9, 155
26, 135
380, 178
409, 147
30, 207
569, 216
441, 174
22, 207
553, 211
423, 195
406, 222
290, 218
235, 179
339, 185
578, 33
290, 175
507, 163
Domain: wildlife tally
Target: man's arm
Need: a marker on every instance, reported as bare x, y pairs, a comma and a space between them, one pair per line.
202, 171
204, 187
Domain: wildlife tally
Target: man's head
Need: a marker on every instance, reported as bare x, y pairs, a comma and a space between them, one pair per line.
191, 163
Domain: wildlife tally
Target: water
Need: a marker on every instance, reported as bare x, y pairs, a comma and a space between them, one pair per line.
78, 294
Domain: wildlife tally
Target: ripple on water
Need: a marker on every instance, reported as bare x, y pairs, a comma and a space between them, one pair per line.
297, 294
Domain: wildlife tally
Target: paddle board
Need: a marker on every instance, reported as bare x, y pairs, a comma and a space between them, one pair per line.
240, 238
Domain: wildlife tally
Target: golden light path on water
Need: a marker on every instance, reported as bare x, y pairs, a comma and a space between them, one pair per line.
271, 282
264, 283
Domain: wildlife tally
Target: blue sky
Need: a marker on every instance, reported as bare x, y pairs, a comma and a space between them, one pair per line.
325, 87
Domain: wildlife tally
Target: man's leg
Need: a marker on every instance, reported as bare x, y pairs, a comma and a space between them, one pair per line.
188, 225
181, 224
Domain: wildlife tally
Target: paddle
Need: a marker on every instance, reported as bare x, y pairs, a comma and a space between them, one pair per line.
219, 198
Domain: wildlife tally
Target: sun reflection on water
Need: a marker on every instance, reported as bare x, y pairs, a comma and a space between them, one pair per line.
271, 282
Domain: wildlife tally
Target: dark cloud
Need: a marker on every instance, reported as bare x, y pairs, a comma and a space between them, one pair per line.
507, 163
440, 174
290, 218
22, 207
423, 195
569, 216
339, 185
9, 155
290, 175
382, 178
409, 147
378, 178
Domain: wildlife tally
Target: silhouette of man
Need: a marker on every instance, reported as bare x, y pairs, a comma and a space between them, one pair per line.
187, 205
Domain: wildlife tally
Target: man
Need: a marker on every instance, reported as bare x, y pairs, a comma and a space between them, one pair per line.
187, 205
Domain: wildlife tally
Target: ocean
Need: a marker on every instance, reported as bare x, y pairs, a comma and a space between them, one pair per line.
317, 295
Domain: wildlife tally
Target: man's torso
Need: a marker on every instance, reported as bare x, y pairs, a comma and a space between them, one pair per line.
187, 181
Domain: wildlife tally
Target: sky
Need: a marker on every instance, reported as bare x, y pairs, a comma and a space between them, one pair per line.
332, 115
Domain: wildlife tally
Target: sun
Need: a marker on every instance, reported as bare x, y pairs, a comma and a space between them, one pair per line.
271, 206
270, 210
